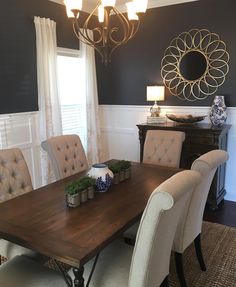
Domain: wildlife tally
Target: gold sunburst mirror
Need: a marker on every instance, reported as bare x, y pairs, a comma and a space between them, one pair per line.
195, 64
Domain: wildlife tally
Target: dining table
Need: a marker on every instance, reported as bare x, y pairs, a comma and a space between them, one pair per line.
41, 220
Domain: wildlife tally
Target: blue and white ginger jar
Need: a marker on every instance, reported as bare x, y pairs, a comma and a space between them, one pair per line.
103, 176
218, 113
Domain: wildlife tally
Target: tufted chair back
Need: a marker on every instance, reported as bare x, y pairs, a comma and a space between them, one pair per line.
190, 224
163, 147
14, 174
67, 155
150, 265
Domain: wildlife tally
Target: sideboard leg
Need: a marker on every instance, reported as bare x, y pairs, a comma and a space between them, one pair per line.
79, 280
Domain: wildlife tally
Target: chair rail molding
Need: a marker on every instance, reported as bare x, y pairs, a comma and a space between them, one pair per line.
120, 135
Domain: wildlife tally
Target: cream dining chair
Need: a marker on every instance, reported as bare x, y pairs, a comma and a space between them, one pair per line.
66, 154
190, 224
163, 147
14, 181
120, 264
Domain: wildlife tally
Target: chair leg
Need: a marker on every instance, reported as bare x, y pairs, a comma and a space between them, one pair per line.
198, 249
165, 283
129, 241
180, 269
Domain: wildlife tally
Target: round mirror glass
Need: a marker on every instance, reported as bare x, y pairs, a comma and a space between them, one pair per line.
193, 65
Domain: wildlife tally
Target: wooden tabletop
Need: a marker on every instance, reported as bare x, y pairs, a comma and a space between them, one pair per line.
41, 221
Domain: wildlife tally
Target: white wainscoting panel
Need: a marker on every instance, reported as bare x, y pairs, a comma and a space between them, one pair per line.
120, 134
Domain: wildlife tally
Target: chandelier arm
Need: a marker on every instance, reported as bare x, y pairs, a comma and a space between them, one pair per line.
112, 50
83, 32
133, 32
86, 39
135, 28
126, 28
78, 32
97, 29
87, 42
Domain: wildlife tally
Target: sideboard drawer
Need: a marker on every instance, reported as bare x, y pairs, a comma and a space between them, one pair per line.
200, 139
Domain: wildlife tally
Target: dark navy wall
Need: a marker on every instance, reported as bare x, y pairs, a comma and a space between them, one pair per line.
18, 75
137, 64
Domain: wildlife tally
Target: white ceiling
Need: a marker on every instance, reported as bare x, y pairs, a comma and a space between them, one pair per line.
88, 5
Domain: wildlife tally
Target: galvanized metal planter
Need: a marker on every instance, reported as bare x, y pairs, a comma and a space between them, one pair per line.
73, 200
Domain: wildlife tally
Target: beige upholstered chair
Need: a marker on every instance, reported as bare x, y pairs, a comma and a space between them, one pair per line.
67, 155
163, 147
14, 181
190, 224
119, 264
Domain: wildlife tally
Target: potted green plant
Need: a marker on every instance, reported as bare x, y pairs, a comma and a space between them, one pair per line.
72, 194
82, 186
86, 187
115, 168
125, 169
90, 183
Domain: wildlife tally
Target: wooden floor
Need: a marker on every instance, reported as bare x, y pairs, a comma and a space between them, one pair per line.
225, 214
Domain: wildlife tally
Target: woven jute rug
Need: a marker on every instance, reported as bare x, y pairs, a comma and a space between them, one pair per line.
219, 251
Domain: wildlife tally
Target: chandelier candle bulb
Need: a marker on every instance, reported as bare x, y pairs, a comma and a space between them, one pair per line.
141, 5
131, 11
69, 13
108, 3
101, 14
73, 4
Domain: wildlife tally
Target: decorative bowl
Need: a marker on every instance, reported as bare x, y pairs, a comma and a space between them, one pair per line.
185, 119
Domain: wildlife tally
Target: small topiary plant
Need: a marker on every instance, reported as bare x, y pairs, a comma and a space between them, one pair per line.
115, 167
124, 164
72, 188
85, 181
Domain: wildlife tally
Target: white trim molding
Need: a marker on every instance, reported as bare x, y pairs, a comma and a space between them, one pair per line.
161, 3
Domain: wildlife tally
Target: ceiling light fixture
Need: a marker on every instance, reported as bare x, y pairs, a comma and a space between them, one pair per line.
112, 28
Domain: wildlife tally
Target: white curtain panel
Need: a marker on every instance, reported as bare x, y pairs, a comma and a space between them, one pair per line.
48, 100
93, 148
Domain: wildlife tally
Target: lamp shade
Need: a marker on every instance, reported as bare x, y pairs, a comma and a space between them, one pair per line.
101, 14
140, 5
108, 3
131, 11
73, 5
155, 93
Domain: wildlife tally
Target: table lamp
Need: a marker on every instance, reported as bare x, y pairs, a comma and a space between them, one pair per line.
155, 93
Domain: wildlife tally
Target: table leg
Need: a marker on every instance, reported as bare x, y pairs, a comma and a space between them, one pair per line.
79, 280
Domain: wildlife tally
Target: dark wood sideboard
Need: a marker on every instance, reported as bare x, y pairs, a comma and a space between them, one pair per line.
199, 139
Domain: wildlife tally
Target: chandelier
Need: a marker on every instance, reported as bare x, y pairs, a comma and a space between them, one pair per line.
110, 27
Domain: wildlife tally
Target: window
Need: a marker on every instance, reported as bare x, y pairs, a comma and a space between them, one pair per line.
71, 93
